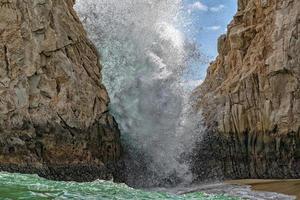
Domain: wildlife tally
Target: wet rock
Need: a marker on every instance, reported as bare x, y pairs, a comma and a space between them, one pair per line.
250, 98
53, 106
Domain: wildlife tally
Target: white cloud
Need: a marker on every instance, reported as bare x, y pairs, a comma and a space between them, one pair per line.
213, 28
217, 8
197, 6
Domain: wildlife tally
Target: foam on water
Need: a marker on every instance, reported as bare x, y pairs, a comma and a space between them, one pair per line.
21, 186
17, 186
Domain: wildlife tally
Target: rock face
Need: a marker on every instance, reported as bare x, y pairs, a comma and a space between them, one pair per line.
54, 117
251, 97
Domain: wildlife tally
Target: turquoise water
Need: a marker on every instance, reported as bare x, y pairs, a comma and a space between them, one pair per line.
17, 186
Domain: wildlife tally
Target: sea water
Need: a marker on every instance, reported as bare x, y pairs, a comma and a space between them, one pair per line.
31, 187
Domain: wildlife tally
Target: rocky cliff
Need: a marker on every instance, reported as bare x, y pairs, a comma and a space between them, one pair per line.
54, 117
250, 99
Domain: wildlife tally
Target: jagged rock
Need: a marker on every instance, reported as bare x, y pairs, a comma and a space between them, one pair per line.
53, 107
251, 97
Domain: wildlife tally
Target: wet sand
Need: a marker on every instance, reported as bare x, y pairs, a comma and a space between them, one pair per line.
288, 187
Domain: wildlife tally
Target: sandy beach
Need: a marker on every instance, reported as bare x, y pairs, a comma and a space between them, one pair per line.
288, 187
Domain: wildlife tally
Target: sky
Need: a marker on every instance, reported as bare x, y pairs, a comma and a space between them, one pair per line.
209, 20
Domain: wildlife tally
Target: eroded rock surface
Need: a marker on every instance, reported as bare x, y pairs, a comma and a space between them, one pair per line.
251, 97
54, 117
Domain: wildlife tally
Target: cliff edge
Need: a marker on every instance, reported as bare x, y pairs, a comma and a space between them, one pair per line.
250, 99
54, 117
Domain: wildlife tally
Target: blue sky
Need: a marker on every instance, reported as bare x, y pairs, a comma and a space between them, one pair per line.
209, 20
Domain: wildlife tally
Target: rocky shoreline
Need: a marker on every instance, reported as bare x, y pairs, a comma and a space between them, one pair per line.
76, 172
54, 116
243, 156
250, 98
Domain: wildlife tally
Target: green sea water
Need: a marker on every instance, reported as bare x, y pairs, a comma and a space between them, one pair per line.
32, 187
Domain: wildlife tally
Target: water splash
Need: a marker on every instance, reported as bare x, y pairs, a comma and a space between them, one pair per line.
144, 57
